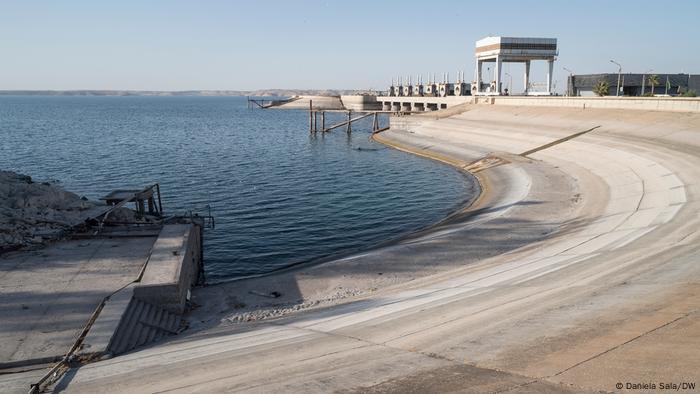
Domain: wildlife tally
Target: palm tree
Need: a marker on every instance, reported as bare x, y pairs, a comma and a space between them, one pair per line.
601, 88
653, 81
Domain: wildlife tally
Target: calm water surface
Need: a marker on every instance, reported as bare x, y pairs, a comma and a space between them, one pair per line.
280, 196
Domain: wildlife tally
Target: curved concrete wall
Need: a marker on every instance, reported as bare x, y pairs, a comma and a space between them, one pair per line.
676, 104
361, 103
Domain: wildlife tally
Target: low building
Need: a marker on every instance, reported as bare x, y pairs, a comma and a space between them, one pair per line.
633, 84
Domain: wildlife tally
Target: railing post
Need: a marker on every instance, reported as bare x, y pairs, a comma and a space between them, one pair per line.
311, 116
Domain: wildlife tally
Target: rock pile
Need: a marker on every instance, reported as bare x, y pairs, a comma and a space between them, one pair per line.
32, 213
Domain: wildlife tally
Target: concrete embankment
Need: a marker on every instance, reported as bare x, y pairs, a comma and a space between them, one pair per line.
318, 102
355, 102
575, 271
430, 103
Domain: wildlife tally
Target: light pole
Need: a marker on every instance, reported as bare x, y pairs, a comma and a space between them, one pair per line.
510, 83
644, 76
619, 75
570, 82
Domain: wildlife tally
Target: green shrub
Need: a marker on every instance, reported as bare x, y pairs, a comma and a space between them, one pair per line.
601, 88
689, 93
653, 81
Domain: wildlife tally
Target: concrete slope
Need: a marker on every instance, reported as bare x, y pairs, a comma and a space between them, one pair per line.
607, 293
319, 102
48, 295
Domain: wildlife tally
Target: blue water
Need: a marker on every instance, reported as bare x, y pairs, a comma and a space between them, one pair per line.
280, 195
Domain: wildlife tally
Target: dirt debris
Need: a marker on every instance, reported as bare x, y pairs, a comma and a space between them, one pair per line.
34, 213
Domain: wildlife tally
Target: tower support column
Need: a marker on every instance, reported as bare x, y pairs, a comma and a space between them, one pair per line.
527, 76
479, 66
550, 70
498, 74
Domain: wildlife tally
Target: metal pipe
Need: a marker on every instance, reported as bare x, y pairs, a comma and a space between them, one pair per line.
619, 75
569, 86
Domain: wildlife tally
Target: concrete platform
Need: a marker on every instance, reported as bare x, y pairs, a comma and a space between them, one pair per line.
319, 102
47, 296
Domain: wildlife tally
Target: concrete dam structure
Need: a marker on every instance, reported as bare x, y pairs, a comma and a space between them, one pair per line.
575, 271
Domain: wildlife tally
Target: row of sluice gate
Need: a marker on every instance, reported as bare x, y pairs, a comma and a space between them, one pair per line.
432, 88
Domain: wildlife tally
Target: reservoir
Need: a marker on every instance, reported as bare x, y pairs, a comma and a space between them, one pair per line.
280, 195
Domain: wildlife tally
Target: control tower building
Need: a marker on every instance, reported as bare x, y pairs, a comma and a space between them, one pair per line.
500, 50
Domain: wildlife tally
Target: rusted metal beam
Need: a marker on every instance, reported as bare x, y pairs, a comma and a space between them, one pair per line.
335, 126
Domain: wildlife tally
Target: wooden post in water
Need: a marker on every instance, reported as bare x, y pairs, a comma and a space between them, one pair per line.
311, 116
349, 121
323, 120
375, 123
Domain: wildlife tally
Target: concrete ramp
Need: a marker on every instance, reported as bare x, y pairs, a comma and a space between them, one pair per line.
88, 299
150, 309
142, 323
319, 102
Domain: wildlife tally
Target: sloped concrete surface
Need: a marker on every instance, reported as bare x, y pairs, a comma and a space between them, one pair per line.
608, 293
48, 295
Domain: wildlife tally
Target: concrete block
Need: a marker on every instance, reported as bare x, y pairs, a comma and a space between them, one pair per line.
172, 267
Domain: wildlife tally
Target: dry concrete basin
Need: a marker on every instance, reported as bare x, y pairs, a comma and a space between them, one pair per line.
577, 270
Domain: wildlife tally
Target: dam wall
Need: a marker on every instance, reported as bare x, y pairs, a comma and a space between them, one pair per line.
577, 266
428, 104
675, 104
421, 103
358, 102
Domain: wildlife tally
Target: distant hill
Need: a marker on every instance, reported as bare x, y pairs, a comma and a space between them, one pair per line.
261, 92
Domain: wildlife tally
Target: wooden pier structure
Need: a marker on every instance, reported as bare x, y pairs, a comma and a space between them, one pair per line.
314, 115
313, 119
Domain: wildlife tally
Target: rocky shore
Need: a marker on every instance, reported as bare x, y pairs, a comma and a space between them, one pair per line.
33, 213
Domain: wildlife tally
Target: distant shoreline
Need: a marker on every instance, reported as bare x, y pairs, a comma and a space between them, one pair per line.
205, 93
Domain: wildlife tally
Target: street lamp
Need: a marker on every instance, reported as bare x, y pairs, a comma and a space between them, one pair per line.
510, 83
570, 82
619, 75
644, 76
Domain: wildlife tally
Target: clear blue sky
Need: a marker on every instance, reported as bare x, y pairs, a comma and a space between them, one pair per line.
181, 45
